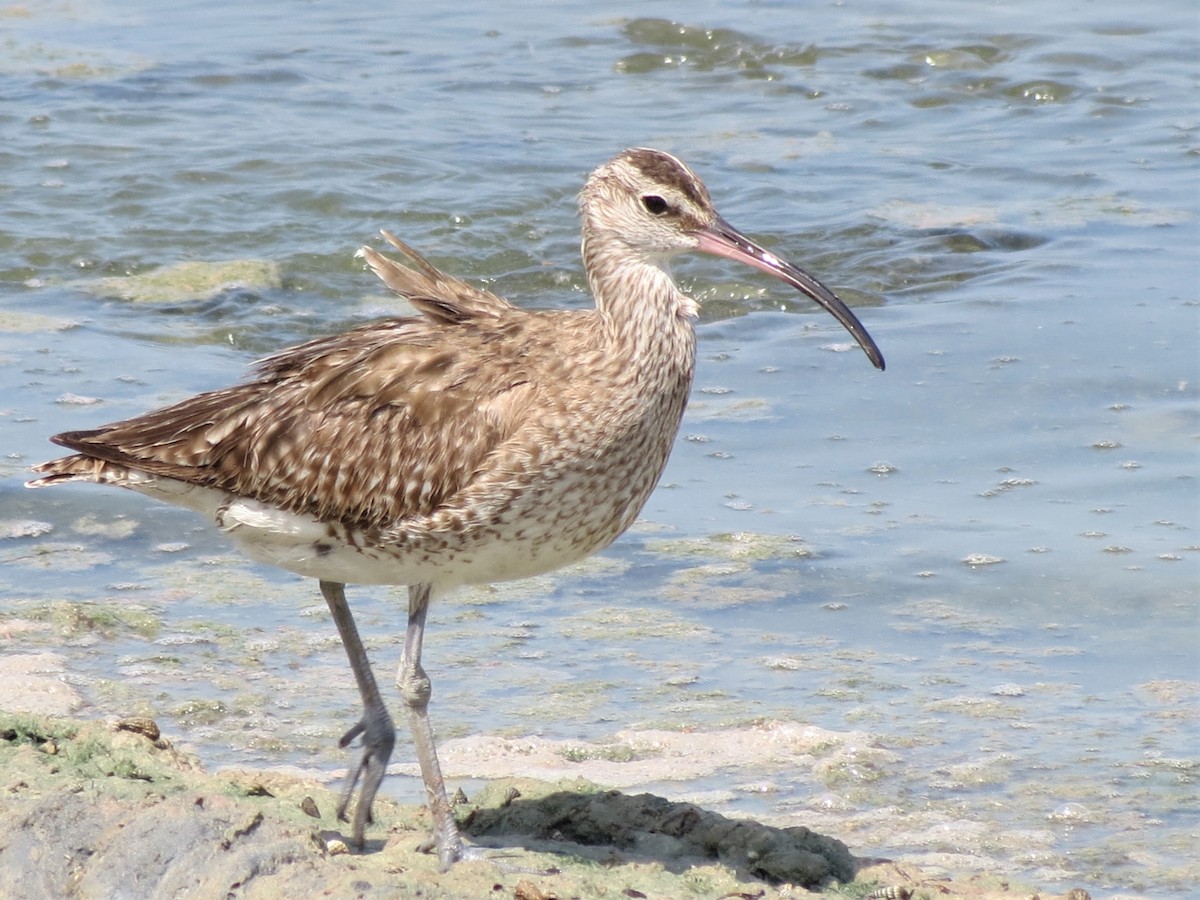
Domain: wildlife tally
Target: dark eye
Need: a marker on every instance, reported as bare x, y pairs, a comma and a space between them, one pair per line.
655, 205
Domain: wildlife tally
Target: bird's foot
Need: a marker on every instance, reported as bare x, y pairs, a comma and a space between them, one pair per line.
451, 851
379, 736
466, 853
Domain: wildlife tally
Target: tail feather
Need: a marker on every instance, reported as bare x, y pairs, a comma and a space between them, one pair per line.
69, 468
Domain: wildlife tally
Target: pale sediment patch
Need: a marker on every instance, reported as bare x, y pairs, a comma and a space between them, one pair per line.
33, 683
634, 758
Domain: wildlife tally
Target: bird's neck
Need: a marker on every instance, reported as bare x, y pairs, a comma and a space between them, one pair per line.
647, 319
647, 326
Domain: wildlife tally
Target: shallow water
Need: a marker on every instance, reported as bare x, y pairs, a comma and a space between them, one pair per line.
986, 557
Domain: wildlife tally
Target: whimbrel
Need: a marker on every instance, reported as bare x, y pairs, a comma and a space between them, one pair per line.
476, 442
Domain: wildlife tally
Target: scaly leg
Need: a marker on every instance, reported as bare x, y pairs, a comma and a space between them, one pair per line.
376, 727
415, 688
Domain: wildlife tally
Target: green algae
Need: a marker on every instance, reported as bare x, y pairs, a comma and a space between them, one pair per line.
189, 281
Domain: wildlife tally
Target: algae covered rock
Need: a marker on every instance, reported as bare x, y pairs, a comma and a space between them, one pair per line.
192, 280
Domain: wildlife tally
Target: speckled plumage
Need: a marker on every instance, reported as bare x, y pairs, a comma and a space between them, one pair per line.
475, 442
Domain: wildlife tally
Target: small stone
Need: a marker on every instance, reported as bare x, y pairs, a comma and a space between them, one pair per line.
140, 725
527, 890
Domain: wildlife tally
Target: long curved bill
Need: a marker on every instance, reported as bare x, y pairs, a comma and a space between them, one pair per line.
722, 239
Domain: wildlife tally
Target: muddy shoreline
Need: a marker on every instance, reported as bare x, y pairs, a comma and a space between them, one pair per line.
110, 808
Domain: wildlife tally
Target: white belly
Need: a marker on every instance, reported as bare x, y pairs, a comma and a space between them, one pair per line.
527, 545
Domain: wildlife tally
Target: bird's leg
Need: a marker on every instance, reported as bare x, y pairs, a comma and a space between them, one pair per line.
376, 727
415, 688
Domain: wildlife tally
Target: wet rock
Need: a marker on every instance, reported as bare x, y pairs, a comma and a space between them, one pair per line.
673, 832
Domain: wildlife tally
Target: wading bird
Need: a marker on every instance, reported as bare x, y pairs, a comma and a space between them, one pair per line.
475, 442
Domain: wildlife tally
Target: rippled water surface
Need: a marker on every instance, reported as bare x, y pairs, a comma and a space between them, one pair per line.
987, 557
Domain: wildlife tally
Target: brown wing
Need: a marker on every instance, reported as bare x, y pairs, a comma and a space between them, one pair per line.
373, 426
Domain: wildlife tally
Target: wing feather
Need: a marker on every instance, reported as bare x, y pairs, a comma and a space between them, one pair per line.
384, 423
434, 293
378, 425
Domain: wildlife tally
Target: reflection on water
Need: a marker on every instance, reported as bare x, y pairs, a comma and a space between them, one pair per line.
985, 558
